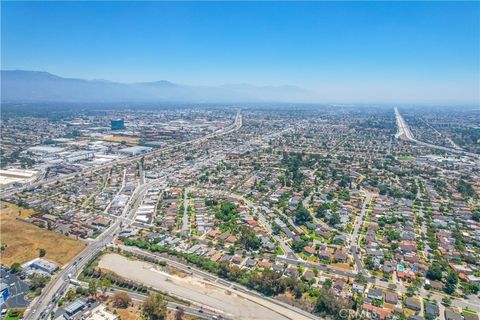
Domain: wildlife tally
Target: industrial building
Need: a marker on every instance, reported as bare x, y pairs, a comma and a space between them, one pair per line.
14, 175
75, 307
43, 150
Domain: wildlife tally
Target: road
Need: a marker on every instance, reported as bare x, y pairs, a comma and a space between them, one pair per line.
403, 129
448, 139
237, 123
185, 218
405, 133
261, 217
355, 233
59, 282
198, 311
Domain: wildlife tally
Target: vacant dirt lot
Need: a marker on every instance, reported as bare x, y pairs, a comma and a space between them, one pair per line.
23, 240
234, 305
121, 138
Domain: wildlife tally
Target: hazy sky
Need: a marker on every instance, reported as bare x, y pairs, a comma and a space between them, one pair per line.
379, 51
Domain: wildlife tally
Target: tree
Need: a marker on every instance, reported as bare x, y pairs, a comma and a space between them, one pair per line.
446, 301
328, 304
105, 283
410, 291
476, 215
179, 314
92, 288
302, 215
298, 246
322, 210
268, 282
248, 239
71, 295
369, 262
435, 271
16, 267
328, 283
393, 235
466, 189
227, 211
37, 282
452, 280
121, 299
360, 278
42, 252
155, 307
334, 219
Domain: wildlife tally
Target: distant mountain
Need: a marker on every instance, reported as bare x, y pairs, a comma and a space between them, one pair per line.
35, 86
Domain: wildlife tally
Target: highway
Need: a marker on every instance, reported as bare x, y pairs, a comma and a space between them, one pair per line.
405, 134
403, 129
44, 303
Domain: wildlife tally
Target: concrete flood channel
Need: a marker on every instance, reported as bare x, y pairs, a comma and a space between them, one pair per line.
229, 303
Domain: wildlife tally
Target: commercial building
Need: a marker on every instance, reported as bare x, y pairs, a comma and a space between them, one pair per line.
117, 124
134, 151
4, 292
41, 265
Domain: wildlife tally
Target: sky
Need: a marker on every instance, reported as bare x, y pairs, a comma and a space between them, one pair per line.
343, 51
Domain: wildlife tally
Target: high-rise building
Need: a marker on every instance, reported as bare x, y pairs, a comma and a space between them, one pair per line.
117, 124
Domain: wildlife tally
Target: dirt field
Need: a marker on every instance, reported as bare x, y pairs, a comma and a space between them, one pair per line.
23, 240
121, 138
131, 313
342, 266
192, 288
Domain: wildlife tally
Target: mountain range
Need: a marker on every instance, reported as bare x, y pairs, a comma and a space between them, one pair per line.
39, 86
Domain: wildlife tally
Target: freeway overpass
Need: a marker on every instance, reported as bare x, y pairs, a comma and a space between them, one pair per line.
405, 133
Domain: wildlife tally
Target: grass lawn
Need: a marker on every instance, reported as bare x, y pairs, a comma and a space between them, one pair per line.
308, 257
23, 240
470, 312
314, 236
14, 314
406, 158
280, 251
